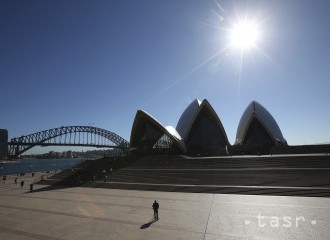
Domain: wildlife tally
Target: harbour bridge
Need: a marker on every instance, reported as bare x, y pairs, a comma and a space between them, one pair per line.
86, 136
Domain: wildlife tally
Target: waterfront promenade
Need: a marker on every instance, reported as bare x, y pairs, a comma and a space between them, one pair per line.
102, 213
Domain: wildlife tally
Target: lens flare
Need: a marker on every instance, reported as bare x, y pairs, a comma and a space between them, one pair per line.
244, 35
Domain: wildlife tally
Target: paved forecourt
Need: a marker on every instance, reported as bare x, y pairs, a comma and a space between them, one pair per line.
94, 213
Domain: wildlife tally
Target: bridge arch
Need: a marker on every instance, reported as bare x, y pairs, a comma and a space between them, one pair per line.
67, 136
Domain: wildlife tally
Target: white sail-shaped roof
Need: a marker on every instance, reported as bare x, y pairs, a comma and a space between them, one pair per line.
173, 132
207, 106
187, 118
154, 127
256, 110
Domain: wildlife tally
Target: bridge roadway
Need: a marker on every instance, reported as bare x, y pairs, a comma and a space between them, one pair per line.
68, 144
86, 136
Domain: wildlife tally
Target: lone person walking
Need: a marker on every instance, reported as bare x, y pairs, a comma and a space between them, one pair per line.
155, 206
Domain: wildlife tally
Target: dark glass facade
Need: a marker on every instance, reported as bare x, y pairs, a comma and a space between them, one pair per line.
146, 135
205, 135
150, 138
164, 142
257, 135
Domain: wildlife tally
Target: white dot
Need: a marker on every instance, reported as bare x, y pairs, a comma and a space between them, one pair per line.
313, 222
247, 222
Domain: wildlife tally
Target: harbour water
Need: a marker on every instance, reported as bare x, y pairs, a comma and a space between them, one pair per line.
38, 165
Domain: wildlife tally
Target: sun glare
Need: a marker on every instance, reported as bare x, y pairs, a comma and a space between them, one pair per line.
244, 35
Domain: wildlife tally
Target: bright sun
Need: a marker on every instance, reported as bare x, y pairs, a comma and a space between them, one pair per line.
244, 35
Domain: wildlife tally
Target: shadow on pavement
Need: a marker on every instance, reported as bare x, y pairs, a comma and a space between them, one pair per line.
146, 225
50, 188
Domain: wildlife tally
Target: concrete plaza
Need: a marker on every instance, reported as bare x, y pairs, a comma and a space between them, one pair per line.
101, 213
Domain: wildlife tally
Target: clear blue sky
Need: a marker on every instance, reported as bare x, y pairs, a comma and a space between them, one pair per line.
97, 62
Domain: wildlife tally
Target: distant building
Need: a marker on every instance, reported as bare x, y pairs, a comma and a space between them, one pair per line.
3, 144
68, 154
200, 131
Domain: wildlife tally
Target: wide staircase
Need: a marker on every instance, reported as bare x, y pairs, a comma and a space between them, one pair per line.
179, 162
85, 172
186, 170
282, 175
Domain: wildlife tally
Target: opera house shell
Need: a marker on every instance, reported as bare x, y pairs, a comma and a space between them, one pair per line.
258, 127
148, 133
199, 130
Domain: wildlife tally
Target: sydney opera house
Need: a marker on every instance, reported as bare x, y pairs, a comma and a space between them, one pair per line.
200, 131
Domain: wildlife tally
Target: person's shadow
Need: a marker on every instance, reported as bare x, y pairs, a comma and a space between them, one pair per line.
146, 225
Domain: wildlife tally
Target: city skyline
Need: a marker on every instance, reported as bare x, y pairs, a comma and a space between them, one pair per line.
97, 63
